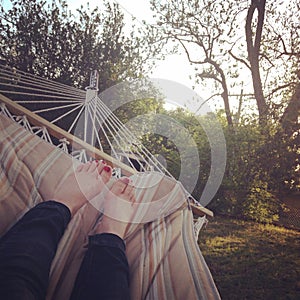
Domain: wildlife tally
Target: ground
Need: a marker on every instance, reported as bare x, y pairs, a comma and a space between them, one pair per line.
252, 261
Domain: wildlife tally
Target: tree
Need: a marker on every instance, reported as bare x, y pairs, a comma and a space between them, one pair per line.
211, 33
50, 41
253, 49
281, 57
259, 41
273, 42
281, 54
206, 26
46, 39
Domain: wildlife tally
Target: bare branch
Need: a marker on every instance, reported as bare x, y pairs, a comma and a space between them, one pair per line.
239, 59
267, 58
281, 87
188, 54
205, 101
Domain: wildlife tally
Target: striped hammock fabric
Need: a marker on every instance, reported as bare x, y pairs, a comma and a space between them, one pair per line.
164, 258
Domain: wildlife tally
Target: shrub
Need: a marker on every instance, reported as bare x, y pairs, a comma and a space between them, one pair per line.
260, 204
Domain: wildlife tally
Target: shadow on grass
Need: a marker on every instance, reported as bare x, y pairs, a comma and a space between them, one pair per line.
252, 261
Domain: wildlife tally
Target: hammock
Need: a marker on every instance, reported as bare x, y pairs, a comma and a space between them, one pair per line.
81, 114
30, 165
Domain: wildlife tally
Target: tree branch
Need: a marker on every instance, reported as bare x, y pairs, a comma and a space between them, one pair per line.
212, 96
239, 59
209, 75
188, 54
280, 88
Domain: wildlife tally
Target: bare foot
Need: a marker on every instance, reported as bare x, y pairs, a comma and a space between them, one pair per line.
121, 190
82, 185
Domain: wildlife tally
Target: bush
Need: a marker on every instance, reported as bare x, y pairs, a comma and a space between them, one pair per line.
253, 173
260, 204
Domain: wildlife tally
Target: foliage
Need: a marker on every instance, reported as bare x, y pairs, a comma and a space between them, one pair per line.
263, 148
280, 51
50, 41
203, 29
260, 204
179, 124
261, 165
135, 115
262, 161
213, 35
46, 39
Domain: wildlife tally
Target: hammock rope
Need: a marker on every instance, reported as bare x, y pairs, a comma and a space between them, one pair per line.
61, 103
21, 78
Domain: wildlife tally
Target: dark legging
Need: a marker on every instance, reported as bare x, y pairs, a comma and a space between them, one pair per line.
28, 248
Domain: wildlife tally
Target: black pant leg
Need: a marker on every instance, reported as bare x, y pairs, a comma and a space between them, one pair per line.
27, 251
104, 272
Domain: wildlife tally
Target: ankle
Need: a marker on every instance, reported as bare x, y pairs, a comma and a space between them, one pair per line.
108, 225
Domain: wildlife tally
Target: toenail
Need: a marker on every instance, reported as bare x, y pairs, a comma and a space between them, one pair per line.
126, 180
106, 169
103, 161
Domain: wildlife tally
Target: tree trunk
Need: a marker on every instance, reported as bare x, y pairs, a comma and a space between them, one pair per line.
225, 97
225, 94
253, 54
292, 112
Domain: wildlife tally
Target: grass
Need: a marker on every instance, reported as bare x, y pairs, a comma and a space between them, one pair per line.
252, 261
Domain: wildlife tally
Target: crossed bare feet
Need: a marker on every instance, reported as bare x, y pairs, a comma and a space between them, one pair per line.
87, 182
83, 185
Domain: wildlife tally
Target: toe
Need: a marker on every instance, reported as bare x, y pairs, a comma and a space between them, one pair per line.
92, 167
119, 186
101, 164
129, 193
79, 168
86, 166
105, 171
123, 188
132, 195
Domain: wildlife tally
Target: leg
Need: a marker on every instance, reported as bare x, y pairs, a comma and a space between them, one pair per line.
28, 248
104, 273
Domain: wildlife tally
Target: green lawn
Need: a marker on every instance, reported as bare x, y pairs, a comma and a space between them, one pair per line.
252, 261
